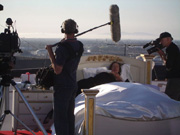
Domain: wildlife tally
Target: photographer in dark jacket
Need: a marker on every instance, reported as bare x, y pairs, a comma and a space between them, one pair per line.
172, 62
65, 63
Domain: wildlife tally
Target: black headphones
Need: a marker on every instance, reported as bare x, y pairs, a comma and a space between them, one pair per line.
70, 27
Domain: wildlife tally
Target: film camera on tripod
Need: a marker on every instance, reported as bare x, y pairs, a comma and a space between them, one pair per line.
156, 45
10, 44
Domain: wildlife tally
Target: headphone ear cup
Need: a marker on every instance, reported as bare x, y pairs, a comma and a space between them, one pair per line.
62, 30
76, 31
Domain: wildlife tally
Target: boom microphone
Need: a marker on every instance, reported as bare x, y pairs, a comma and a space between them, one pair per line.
115, 23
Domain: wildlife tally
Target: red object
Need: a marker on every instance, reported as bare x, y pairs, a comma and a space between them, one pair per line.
27, 73
23, 132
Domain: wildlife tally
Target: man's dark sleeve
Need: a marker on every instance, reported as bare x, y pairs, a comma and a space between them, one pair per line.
61, 55
171, 58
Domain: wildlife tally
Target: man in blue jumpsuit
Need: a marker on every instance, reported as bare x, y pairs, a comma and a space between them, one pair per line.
65, 63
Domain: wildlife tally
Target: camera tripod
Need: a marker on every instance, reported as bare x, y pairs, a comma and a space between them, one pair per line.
5, 84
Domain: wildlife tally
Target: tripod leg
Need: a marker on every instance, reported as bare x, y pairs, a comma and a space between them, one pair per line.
7, 112
2, 98
2, 106
29, 107
22, 123
1, 91
5, 99
2, 120
5, 103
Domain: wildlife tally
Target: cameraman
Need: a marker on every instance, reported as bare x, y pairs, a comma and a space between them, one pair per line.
172, 62
65, 63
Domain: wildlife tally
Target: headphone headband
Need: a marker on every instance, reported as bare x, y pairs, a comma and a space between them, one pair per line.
69, 26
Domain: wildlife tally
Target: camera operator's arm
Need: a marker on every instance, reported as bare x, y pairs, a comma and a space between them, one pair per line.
57, 68
162, 55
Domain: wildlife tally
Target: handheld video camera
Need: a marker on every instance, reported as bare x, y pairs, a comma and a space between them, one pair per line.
9, 44
156, 45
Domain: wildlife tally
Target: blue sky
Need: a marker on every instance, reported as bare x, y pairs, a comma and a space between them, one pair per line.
140, 19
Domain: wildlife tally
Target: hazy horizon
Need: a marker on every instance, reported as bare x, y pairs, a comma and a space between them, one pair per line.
139, 19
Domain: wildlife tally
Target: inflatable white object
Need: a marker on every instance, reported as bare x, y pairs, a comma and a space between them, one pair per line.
129, 101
